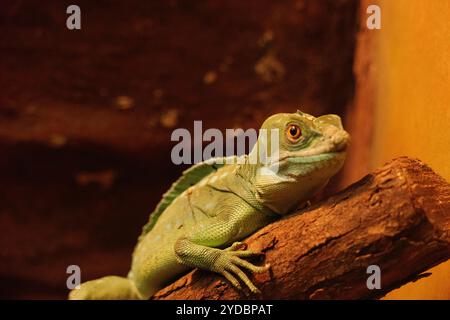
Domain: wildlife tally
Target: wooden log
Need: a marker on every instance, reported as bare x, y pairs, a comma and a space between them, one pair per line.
397, 217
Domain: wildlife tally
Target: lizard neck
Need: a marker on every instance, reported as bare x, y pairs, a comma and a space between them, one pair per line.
280, 193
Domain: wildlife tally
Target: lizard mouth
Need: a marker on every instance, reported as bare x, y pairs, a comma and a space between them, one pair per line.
321, 160
309, 159
323, 157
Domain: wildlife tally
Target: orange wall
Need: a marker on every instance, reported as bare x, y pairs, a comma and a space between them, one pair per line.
412, 102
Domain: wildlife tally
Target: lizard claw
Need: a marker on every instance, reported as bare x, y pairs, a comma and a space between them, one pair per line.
237, 246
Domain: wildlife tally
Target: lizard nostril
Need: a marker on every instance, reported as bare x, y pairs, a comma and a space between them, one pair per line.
341, 146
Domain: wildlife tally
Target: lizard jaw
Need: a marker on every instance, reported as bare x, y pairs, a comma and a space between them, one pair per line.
317, 158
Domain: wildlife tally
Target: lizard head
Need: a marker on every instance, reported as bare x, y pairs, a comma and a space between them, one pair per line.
305, 153
304, 139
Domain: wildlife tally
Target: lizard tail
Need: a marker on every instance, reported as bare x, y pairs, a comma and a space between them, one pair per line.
106, 288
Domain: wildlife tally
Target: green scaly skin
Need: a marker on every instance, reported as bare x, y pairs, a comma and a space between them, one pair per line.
202, 227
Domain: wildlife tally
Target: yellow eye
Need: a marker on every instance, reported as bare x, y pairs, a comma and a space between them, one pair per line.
293, 132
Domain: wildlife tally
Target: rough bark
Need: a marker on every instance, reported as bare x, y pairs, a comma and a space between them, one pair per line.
397, 217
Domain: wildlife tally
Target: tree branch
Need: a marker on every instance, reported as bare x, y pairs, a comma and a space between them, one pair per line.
397, 217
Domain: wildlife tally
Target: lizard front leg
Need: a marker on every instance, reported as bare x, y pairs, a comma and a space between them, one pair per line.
199, 250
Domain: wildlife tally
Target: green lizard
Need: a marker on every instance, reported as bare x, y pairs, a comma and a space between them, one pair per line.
216, 203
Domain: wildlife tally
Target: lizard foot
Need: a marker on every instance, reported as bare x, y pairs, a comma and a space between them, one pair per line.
230, 262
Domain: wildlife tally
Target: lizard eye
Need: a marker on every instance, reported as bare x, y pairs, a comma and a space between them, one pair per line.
293, 132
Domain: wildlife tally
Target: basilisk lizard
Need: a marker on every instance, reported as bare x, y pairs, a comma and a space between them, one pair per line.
215, 204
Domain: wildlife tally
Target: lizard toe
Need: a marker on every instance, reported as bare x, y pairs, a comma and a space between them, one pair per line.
237, 246
241, 275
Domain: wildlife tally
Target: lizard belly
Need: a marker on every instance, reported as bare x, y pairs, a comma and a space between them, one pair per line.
154, 265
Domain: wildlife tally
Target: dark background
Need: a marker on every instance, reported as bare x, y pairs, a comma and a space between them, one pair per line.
86, 115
